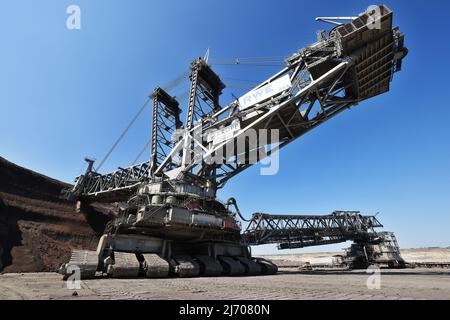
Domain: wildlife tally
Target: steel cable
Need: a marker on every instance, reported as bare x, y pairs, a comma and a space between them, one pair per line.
123, 133
170, 86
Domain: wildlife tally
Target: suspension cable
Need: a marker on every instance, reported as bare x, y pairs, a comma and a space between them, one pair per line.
252, 59
248, 64
248, 61
123, 133
141, 152
169, 87
176, 82
273, 61
242, 80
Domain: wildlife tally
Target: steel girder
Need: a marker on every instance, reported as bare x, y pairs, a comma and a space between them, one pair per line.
310, 230
328, 77
114, 186
165, 120
206, 88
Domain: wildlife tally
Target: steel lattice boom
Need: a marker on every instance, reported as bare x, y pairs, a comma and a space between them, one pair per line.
354, 62
291, 231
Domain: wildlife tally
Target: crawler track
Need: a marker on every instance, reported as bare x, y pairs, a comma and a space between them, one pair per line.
151, 265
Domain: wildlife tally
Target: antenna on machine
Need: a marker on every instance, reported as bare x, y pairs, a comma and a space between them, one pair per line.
335, 20
206, 57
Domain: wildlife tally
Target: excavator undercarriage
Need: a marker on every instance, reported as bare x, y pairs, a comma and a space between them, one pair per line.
143, 256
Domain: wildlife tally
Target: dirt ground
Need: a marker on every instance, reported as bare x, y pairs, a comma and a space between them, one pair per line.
289, 283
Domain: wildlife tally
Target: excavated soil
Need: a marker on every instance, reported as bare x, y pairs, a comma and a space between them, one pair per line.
37, 228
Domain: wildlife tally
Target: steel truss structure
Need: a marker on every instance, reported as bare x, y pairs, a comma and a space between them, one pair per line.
165, 120
354, 62
206, 88
291, 231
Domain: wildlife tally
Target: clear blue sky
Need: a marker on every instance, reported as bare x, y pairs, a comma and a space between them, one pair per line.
66, 94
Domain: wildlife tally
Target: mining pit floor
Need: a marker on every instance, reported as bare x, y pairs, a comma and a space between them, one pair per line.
289, 283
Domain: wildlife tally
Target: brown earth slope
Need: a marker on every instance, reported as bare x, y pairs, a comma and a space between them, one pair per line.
37, 229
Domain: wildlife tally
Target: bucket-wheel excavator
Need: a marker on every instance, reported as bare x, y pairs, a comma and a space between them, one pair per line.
169, 221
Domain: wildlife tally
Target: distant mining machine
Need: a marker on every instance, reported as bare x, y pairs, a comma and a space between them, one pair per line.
169, 221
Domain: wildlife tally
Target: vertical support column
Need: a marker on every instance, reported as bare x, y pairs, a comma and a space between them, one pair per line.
192, 97
154, 146
165, 120
206, 88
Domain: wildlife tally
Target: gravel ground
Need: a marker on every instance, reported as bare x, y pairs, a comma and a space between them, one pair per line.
287, 284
